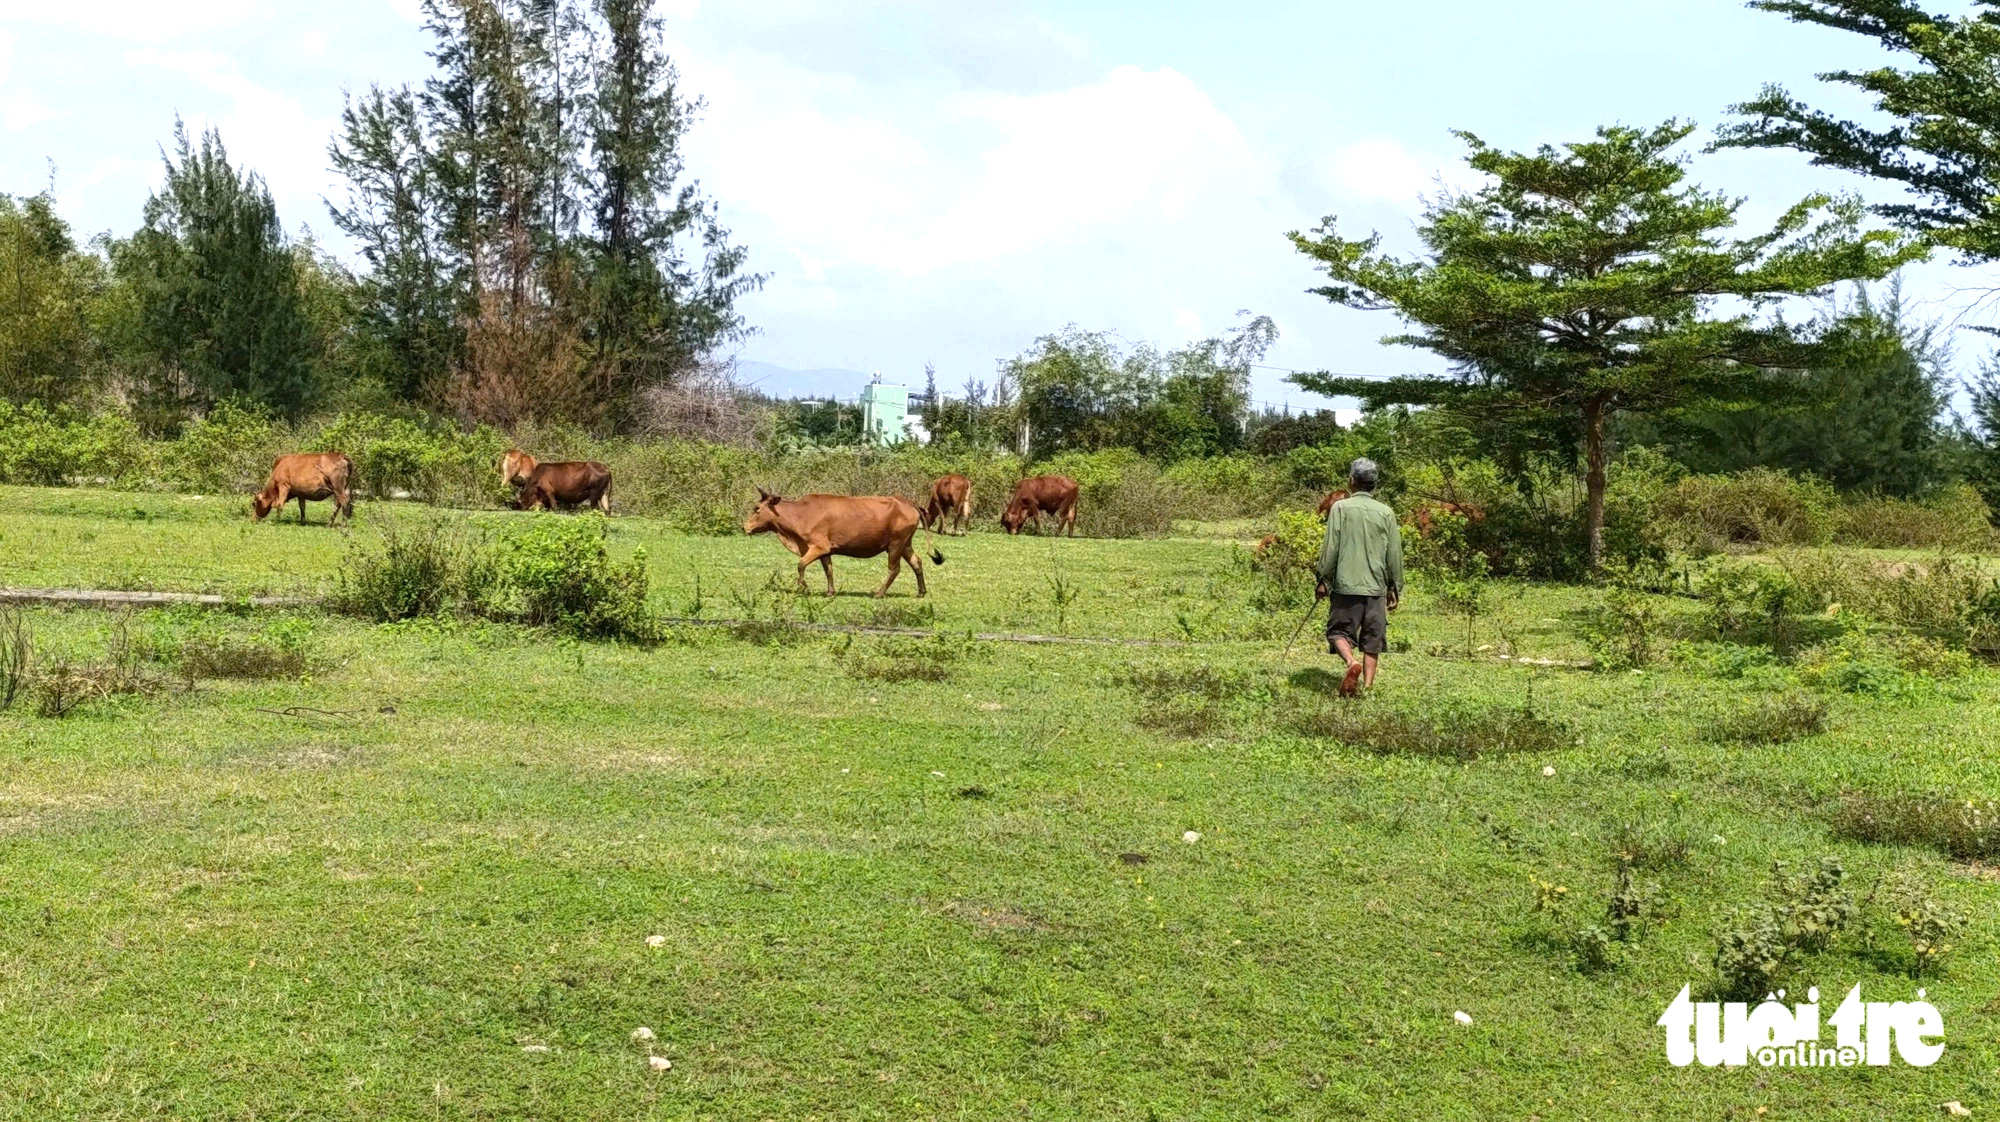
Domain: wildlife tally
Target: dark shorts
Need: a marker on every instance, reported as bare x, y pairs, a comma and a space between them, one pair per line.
1361, 620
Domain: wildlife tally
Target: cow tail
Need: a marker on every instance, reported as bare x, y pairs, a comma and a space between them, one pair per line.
937, 555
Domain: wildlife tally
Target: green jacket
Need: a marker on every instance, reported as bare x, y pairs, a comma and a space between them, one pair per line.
1363, 554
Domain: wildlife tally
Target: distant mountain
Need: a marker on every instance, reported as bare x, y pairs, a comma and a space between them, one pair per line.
784, 382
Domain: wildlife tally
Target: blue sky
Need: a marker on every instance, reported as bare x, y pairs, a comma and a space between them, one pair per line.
935, 181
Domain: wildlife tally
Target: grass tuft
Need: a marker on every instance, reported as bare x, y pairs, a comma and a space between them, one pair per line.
1454, 733
1777, 720
1960, 828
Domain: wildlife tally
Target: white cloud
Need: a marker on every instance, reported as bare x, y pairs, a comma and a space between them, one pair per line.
139, 19
1384, 171
969, 178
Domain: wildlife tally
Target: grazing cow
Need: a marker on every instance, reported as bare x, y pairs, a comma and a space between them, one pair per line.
1038, 495
1326, 504
569, 483
1427, 512
514, 468
822, 527
950, 495
1264, 545
308, 475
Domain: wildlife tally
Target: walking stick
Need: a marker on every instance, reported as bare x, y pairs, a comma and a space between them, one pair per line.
1310, 612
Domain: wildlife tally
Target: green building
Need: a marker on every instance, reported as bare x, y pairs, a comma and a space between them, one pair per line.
885, 413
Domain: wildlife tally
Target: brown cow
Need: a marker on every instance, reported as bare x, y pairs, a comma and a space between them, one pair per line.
1332, 497
567, 483
950, 495
1427, 512
307, 475
1037, 495
822, 527
514, 468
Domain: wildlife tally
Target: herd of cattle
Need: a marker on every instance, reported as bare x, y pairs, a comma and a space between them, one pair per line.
813, 527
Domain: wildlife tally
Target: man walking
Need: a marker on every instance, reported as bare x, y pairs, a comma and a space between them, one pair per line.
1361, 571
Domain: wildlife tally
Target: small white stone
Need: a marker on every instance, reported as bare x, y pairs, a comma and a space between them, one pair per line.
1191, 837
656, 940
1549, 771
642, 1033
937, 775
1462, 1017
659, 1063
534, 1047
1956, 1109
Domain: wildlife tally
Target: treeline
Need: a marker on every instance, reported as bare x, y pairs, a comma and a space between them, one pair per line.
532, 250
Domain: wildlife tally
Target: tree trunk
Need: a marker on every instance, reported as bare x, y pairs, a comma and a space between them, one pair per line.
1593, 482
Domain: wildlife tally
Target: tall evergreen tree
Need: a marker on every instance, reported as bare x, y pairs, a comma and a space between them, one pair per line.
1869, 418
217, 290
1944, 143
1583, 283
664, 277
397, 213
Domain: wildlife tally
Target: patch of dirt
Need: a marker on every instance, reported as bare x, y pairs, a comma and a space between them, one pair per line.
988, 917
1977, 870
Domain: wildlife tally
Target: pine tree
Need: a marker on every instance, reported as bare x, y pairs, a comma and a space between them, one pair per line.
217, 290
1582, 283
664, 279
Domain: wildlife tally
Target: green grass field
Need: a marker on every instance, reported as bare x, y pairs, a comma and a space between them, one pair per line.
890, 899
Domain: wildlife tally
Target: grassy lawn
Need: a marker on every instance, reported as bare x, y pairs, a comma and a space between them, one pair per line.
888, 875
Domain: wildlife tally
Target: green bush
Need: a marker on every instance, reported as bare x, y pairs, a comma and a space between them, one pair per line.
1761, 506
40, 447
227, 452
424, 459
559, 569
414, 573
1956, 518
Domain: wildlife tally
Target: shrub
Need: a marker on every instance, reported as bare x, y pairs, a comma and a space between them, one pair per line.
1930, 925
229, 451
1962, 828
1623, 630
420, 457
413, 573
64, 685
48, 448
1761, 506
1804, 913
1956, 518
1773, 721
1288, 565
560, 570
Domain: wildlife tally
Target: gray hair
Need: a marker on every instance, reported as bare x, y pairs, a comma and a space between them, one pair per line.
1364, 474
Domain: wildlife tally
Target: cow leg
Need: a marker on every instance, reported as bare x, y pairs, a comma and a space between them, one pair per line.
1069, 518
895, 566
302, 510
917, 567
807, 556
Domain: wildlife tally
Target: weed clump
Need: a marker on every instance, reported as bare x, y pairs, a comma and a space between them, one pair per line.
64, 685
414, 573
248, 659
1805, 912
1961, 828
1774, 721
905, 660
1451, 732
17, 648
1190, 701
